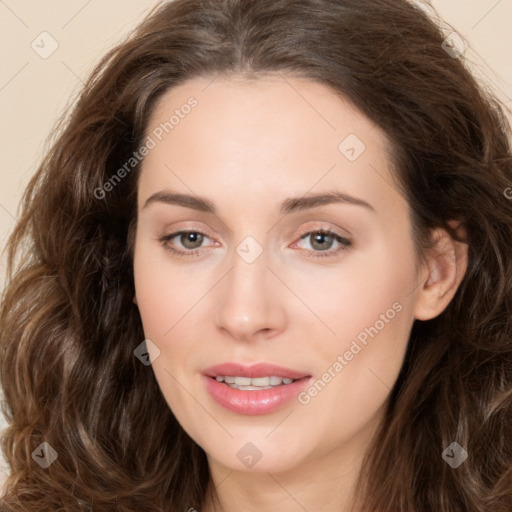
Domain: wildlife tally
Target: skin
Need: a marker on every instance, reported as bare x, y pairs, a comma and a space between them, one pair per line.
247, 146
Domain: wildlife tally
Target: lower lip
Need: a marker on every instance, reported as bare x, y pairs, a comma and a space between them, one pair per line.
252, 403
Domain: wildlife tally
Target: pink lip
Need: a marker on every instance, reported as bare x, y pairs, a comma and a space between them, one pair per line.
255, 402
256, 370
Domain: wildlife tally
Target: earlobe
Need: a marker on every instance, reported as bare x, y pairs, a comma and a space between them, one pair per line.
441, 275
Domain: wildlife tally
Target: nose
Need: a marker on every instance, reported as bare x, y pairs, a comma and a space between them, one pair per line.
251, 300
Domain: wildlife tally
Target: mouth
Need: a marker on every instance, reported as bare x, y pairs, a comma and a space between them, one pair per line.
256, 389
254, 384
261, 374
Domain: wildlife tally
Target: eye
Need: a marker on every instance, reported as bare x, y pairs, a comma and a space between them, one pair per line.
191, 241
322, 240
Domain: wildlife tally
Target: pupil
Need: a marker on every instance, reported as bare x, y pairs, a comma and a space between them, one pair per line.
320, 238
192, 238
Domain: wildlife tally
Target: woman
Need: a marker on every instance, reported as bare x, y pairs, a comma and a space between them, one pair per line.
266, 264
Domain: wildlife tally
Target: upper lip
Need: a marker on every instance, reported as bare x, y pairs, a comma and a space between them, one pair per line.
253, 371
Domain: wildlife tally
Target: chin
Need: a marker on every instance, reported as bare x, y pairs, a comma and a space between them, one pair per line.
257, 454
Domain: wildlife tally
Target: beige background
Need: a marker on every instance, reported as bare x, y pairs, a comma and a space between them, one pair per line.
35, 90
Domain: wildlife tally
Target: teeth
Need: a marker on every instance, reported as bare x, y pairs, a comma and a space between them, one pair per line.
257, 383
260, 381
254, 388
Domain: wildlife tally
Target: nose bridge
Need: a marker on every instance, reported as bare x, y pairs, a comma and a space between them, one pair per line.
247, 304
249, 263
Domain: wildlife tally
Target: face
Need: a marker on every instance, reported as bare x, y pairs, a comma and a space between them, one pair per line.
272, 242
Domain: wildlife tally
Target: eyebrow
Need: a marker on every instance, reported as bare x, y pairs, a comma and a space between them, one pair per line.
290, 205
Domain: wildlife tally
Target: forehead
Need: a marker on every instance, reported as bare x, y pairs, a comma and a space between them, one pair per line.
263, 106
254, 138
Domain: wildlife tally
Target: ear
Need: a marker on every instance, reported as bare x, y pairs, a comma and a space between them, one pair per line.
441, 273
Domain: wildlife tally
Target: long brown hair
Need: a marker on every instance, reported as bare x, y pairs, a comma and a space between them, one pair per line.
69, 327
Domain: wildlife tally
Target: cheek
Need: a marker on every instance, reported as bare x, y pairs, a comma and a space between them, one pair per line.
356, 369
166, 310
164, 292
168, 298
367, 296
370, 310
163, 314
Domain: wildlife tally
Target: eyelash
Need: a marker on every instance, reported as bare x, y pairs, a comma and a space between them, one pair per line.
344, 243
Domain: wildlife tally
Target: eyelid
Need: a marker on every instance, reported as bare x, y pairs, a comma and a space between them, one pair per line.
321, 226
167, 237
344, 242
